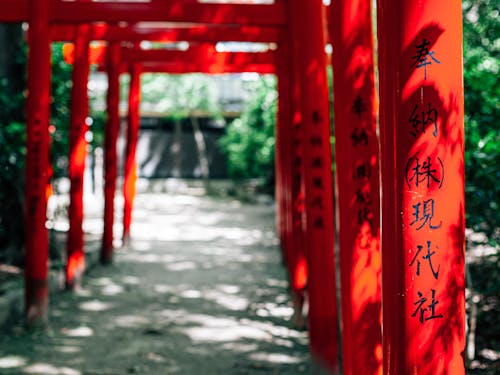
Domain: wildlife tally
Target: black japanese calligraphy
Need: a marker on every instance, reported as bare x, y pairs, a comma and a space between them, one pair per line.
424, 57
426, 313
423, 214
426, 172
426, 257
359, 137
419, 119
362, 170
359, 106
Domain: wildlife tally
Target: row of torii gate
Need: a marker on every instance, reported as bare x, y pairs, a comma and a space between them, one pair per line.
402, 308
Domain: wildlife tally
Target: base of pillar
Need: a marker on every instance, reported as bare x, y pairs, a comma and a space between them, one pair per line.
75, 268
75, 284
36, 302
323, 343
125, 239
106, 257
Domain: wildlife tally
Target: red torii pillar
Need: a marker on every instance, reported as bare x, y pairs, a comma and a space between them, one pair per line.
422, 164
279, 179
130, 167
356, 158
75, 265
37, 144
307, 27
299, 267
291, 139
282, 137
110, 153
286, 164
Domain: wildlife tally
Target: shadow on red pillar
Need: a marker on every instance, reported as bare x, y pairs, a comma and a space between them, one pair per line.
422, 164
110, 153
75, 265
130, 168
38, 112
307, 27
290, 167
356, 157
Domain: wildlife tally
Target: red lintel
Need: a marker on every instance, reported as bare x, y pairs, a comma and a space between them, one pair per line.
195, 33
156, 11
201, 67
206, 54
202, 57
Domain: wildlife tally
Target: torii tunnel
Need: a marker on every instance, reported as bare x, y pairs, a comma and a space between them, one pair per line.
399, 156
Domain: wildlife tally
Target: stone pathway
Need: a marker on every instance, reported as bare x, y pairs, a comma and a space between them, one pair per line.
199, 290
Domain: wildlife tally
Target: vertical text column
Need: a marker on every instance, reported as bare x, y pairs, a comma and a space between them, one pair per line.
307, 27
356, 157
422, 164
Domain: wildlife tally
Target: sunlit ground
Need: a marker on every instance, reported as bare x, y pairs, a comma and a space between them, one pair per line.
199, 290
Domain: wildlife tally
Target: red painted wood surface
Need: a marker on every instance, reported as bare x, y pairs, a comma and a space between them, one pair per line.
203, 58
130, 167
155, 11
279, 179
37, 166
169, 33
75, 264
421, 129
180, 67
110, 153
278, 193
283, 157
204, 52
307, 27
297, 266
357, 171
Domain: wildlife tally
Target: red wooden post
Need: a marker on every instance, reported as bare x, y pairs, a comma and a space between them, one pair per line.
130, 167
299, 275
38, 106
290, 108
75, 265
279, 177
283, 157
422, 151
110, 156
356, 158
307, 28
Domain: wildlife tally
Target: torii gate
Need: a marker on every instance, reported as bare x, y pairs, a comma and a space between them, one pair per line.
421, 139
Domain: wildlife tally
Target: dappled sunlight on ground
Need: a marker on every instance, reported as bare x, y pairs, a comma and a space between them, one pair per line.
199, 290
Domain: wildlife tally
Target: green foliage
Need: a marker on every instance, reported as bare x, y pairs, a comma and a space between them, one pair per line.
482, 111
180, 95
13, 142
249, 140
13, 151
60, 110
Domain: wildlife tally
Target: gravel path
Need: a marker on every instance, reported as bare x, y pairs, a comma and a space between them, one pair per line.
200, 289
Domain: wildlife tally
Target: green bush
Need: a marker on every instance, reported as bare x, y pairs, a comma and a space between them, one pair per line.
482, 113
249, 140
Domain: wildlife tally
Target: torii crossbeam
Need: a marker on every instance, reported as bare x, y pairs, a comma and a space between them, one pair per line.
159, 11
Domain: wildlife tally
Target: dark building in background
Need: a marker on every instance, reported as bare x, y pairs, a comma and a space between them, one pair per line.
167, 148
